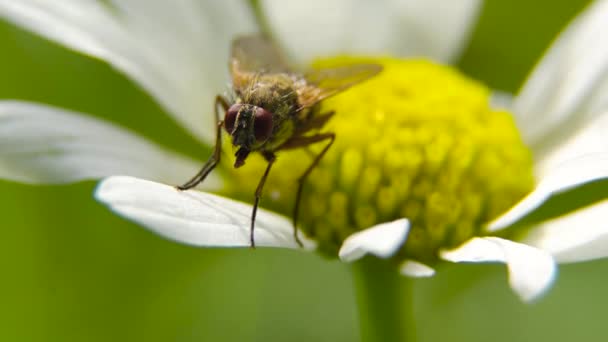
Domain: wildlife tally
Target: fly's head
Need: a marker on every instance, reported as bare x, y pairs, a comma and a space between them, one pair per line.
249, 126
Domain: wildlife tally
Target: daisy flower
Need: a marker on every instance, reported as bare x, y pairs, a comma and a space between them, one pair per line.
428, 166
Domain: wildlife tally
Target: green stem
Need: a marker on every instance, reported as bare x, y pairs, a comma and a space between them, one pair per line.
260, 17
384, 300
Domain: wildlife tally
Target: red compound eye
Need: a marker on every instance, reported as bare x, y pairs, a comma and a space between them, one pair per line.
262, 125
230, 117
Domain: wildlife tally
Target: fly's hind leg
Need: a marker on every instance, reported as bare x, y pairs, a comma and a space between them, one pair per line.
300, 142
316, 122
215, 157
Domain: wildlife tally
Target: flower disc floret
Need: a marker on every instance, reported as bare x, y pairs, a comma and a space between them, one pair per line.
419, 141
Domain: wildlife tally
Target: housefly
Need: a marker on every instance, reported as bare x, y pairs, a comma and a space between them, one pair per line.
276, 108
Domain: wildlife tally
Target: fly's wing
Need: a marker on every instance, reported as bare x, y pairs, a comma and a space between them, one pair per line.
323, 83
253, 55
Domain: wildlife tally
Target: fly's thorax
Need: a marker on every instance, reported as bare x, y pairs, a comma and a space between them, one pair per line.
273, 92
419, 141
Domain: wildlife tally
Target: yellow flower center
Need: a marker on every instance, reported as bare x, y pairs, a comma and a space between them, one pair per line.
418, 141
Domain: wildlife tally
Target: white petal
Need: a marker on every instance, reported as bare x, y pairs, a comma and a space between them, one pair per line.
176, 50
434, 28
569, 86
590, 139
42, 144
193, 217
563, 177
381, 240
531, 270
579, 236
416, 269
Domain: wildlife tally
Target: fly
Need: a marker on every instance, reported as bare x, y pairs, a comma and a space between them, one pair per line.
276, 108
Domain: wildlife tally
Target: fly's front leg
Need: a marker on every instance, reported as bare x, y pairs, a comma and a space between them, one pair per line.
217, 152
300, 142
270, 157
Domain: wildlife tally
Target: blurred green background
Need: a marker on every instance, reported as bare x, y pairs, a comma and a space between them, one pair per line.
72, 271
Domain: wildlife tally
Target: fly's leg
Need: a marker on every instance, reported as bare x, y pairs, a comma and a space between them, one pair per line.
209, 165
299, 142
215, 157
317, 122
270, 157
321, 120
